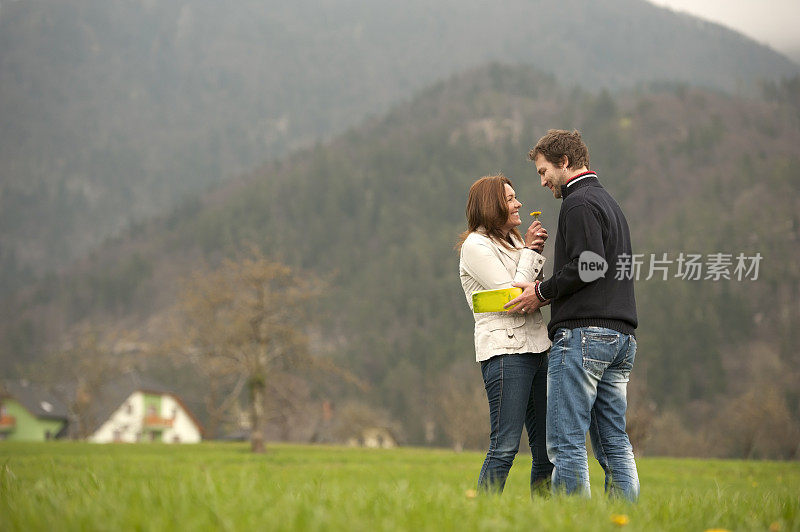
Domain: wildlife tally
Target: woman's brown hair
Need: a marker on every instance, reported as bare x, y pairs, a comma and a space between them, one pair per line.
487, 207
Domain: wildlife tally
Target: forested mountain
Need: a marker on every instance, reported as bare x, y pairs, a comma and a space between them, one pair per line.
113, 109
379, 209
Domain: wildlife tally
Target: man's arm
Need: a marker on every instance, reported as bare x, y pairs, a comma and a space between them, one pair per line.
583, 232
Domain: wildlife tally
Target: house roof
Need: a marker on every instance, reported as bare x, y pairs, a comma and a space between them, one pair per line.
117, 391
36, 399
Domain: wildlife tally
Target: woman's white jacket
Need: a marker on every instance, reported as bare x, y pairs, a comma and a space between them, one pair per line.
488, 265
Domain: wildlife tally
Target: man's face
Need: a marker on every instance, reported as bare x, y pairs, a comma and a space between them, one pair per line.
552, 176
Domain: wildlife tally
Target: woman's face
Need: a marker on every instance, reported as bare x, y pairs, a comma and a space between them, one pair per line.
513, 209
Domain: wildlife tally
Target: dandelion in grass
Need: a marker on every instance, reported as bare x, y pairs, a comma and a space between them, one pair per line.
471, 494
620, 519
717, 530
775, 527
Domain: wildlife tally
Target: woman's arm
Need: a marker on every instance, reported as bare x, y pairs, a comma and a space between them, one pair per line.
481, 262
529, 267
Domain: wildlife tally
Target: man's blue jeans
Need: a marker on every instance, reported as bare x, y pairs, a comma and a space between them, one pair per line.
587, 383
516, 386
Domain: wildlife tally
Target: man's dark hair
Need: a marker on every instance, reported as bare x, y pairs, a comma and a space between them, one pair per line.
560, 143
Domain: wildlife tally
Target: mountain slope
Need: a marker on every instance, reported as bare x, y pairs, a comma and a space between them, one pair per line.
379, 208
112, 110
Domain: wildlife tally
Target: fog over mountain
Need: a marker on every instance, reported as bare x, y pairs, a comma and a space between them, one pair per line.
112, 110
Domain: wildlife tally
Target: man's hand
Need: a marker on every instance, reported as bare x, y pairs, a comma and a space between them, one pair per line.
527, 301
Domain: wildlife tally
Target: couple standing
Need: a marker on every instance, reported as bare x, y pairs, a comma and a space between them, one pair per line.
581, 385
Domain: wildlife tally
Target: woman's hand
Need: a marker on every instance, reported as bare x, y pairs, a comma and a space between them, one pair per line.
535, 236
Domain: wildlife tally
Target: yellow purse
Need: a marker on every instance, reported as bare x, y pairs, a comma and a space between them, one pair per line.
493, 300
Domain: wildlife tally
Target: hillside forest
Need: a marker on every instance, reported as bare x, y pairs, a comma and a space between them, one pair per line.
374, 214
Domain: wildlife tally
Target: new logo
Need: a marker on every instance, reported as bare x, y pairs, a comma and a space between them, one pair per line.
591, 266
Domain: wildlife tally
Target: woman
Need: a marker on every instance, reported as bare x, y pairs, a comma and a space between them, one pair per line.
512, 348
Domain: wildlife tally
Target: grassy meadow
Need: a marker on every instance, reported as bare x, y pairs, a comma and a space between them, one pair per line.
212, 486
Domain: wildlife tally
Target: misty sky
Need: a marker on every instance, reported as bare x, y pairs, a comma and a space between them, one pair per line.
773, 22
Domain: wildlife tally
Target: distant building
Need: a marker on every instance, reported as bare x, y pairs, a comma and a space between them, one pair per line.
131, 410
30, 413
374, 438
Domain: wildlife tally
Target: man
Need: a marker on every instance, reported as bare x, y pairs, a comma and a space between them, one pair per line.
592, 322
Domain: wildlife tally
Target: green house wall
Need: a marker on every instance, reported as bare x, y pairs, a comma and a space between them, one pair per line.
28, 427
153, 401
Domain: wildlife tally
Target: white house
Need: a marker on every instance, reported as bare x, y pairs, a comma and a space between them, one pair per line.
374, 438
131, 411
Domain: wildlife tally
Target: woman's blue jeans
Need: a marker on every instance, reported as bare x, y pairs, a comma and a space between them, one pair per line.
516, 386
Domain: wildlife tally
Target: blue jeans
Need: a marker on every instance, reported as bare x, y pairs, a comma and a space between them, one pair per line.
516, 386
587, 383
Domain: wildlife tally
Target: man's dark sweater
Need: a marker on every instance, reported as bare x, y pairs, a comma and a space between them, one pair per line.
590, 220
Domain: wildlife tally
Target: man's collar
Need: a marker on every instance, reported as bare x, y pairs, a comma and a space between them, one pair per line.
577, 181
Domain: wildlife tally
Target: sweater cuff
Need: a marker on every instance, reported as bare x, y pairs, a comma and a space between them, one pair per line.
545, 289
538, 293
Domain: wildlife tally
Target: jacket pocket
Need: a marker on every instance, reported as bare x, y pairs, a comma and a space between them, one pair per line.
507, 332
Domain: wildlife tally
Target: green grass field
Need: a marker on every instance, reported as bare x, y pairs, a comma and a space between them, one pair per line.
78, 486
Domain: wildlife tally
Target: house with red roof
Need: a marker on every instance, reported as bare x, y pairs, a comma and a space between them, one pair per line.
134, 409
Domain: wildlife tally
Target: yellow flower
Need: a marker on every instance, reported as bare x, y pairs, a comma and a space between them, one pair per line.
536, 213
717, 530
620, 519
471, 494
775, 527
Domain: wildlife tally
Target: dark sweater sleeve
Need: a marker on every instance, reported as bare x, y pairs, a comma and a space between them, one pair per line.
583, 232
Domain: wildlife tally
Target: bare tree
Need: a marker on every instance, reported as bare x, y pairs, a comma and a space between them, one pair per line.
75, 374
198, 341
243, 324
462, 406
641, 412
354, 417
757, 424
